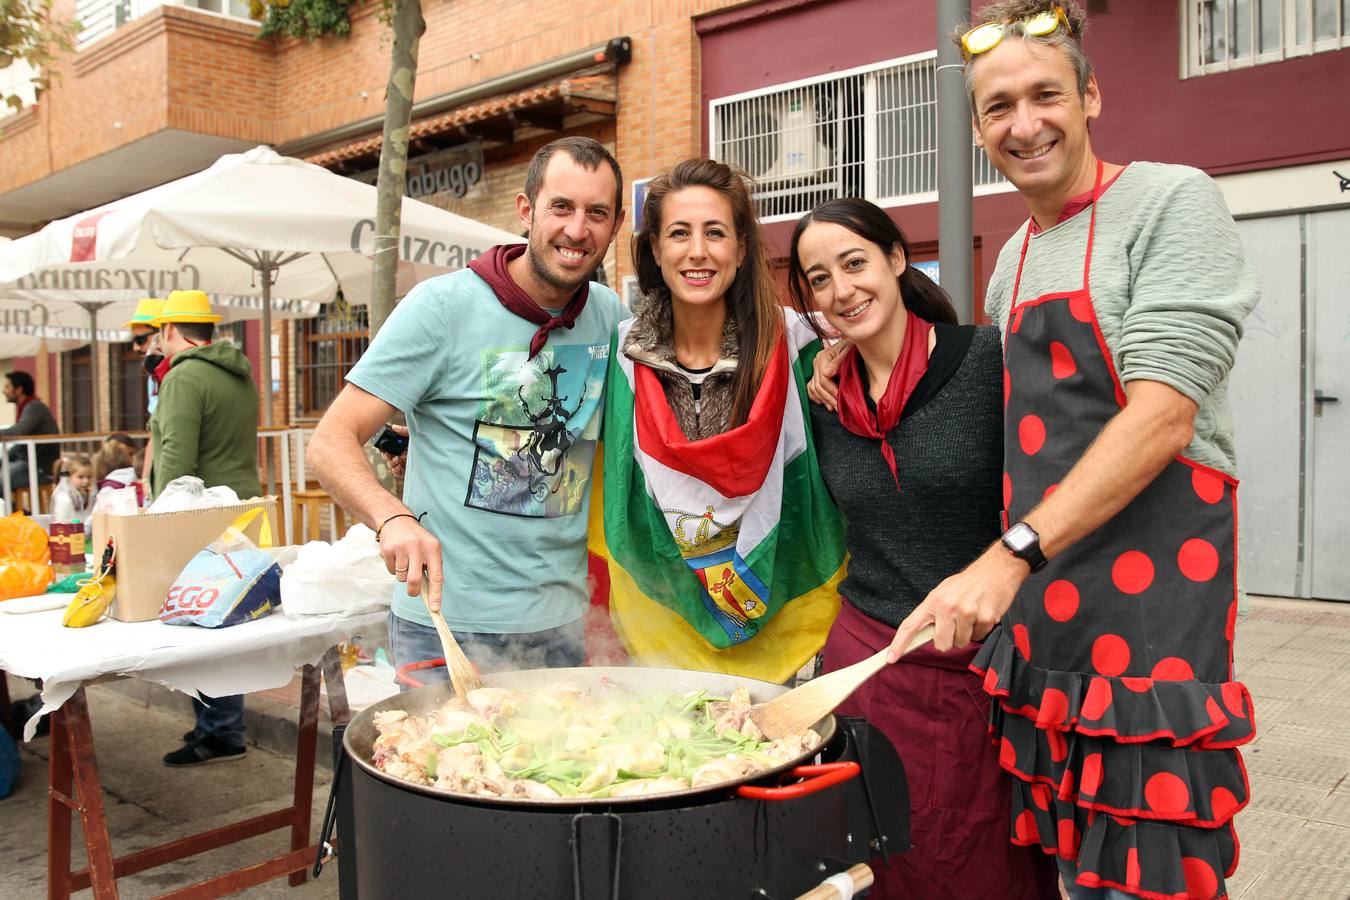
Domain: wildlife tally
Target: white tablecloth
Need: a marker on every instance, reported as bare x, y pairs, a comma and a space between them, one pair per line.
253, 656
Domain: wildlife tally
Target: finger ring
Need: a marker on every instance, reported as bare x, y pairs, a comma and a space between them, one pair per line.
400, 571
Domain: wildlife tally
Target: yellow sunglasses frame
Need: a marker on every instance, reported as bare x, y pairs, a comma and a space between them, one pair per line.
985, 37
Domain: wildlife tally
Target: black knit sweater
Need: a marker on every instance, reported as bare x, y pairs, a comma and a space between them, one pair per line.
949, 456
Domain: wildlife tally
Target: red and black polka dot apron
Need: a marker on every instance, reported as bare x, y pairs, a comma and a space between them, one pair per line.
1116, 711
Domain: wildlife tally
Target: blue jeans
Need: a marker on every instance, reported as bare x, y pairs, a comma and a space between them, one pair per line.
221, 718
553, 648
1077, 892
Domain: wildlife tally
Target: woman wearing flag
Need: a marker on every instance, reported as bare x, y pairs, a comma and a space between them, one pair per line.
913, 455
724, 550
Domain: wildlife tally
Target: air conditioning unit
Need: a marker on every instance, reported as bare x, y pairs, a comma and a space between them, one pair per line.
776, 138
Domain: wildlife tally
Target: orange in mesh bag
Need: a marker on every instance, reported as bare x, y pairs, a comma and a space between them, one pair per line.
23, 557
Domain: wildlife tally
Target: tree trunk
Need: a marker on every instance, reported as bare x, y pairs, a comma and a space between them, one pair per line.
408, 26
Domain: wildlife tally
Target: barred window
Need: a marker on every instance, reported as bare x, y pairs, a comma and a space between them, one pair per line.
1220, 35
329, 345
870, 132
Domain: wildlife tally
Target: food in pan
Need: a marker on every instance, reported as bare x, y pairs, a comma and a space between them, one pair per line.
564, 742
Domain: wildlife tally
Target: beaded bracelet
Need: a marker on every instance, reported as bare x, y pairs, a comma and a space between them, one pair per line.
417, 519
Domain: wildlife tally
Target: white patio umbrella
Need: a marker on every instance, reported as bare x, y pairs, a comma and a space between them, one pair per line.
253, 224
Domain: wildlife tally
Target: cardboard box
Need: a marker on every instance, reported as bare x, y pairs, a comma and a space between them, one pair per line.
152, 548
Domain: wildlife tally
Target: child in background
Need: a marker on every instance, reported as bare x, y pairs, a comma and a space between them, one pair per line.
77, 499
113, 471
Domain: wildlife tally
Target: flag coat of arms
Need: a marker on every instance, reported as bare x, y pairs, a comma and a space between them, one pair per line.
724, 554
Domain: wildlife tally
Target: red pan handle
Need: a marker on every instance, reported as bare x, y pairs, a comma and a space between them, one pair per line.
401, 674
817, 778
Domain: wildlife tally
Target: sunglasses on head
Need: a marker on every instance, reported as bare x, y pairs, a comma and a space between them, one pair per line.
140, 339
983, 38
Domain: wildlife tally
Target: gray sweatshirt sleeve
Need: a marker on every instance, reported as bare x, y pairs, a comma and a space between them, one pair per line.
1192, 288
26, 424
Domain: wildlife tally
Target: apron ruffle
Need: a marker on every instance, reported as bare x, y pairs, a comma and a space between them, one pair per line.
1153, 860
1143, 800
1185, 713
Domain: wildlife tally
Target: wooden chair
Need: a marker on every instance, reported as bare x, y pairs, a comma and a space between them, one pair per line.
23, 501
309, 509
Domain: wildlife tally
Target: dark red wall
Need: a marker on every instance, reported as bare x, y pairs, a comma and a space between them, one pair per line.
1262, 117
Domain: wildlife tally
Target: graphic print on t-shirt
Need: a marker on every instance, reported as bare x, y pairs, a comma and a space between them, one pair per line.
534, 441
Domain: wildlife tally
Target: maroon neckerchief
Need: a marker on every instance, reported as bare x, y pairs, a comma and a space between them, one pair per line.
18, 407
909, 368
166, 363
491, 267
1074, 205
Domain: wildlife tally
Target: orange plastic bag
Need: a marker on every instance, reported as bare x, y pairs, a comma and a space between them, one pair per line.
21, 578
24, 557
22, 538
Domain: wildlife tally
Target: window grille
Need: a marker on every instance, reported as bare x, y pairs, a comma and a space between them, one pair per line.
77, 392
1220, 35
329, 345
871, 133
100, 18
130, 392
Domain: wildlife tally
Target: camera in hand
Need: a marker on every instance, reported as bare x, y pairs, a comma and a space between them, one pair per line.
387, 440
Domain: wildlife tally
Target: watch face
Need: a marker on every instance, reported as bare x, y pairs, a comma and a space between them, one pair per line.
1019, 537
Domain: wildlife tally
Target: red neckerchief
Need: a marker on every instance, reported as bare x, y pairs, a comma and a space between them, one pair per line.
491, 267
162, 369
1074, 205
909, 368
18, 407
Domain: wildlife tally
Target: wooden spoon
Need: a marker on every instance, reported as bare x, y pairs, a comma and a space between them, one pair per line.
802, 707
463, 676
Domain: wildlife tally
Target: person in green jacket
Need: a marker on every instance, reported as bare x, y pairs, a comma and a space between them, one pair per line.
206, 424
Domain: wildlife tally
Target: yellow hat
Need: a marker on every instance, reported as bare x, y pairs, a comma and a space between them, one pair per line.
146, 310
185, 306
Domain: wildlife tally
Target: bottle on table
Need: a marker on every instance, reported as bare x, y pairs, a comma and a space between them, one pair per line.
66, 533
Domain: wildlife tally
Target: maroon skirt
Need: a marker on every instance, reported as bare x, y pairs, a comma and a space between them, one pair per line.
935, 712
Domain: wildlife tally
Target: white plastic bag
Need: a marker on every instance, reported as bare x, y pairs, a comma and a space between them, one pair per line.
346, 577
190, 492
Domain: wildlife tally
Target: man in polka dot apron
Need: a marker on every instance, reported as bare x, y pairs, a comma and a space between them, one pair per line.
1114, 589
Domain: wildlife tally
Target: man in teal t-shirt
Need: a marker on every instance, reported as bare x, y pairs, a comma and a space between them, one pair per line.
499, 369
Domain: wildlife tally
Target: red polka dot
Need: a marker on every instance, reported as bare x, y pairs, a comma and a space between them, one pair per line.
1031, 434
1022, 640
1054, 707
1123, 821
1080, 307
1098, 699
1040, 795
1215, 714
1222, 803
1207, 486
1059, 748
1173, 668
1007, 490
1110, 655
1234, 698
1007, 388
1066, 783
1138, 685
1007, 754
1201, 882
1092, 774
1025, 827
1132, 867
1166, 793
1230, 629
1068, 839
1132, 572
1050, 490
1061, 360
990, 681
1061, 600
1198, 560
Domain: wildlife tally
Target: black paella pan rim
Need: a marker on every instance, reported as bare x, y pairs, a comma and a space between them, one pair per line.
359, 739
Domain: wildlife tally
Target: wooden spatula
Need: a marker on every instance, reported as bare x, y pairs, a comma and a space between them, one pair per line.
463, 676
802, 707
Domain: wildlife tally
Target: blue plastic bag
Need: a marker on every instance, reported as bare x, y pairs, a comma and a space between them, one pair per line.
9, 762
229, 582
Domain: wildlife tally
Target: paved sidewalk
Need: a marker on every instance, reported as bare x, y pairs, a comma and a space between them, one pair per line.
1293, 655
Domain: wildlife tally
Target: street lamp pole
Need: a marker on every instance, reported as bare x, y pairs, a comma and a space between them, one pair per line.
955, 179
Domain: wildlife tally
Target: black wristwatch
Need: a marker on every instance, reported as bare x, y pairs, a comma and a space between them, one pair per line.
1025, 544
